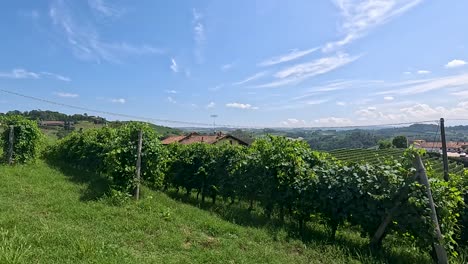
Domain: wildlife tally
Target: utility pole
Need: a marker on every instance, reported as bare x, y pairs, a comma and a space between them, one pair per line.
444, 150
214, 122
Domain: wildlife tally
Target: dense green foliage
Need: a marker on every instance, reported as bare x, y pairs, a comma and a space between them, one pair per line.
284, 177
54, 116
400, 142
51, 215
27, 141
385, 144
113, 151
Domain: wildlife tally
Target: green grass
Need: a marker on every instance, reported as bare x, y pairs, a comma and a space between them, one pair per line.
59, 216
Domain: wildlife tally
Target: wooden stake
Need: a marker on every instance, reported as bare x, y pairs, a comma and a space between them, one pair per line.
439, 247
11, 142
138, 165
444, 150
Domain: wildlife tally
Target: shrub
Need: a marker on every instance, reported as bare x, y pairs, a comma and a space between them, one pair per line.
28, 139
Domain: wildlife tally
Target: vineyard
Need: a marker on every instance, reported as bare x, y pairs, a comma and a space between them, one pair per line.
374, 157
285, 179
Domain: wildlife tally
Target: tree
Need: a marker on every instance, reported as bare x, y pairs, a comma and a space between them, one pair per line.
400, 142
385, 144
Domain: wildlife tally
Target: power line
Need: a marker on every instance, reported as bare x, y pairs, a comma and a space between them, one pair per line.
154, 120
109, 113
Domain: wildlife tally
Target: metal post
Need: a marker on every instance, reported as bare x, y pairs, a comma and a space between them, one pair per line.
11, 142
444, 150
138, 165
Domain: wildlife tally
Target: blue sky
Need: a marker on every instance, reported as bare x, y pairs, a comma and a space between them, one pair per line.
252, 63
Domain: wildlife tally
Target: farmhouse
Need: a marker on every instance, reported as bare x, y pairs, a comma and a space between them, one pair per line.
218, 138
452, 146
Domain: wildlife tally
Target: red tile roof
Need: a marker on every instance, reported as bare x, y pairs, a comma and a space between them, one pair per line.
194, 138
450, 144
173, 139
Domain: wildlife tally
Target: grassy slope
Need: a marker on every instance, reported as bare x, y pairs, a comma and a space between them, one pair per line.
52, 216
48, 217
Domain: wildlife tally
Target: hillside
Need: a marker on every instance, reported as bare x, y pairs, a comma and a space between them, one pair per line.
50, 216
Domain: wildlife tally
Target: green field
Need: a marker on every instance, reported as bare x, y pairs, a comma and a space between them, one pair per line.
374, 157
57, 216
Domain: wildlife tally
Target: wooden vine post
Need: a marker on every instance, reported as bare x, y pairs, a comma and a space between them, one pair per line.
421, 176
439, 246
10, 147
138, 165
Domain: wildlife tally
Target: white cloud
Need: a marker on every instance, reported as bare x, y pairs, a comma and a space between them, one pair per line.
316, 102
341, 103
118, 100
171, 91
407, 72
199, 34
85, 41
316, 67
426, 85
67, 95
171, 100
227, 67
294, 54
20, 74
455, 64
300, 72
251, 78
210, 105
56, 76
241, 106
293, 122
461, 94
361, 16
103, 8
423, 72
388, 98
174, 66
25, 74
333, 121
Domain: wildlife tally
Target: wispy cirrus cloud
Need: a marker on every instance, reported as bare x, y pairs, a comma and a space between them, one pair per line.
241, 106
25, 74
455, 64
102, 7
425, 85
56, 76
86, 42
67, 95
361, 16
256, 76
198, 34
294, 54
300, 72
20, 74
